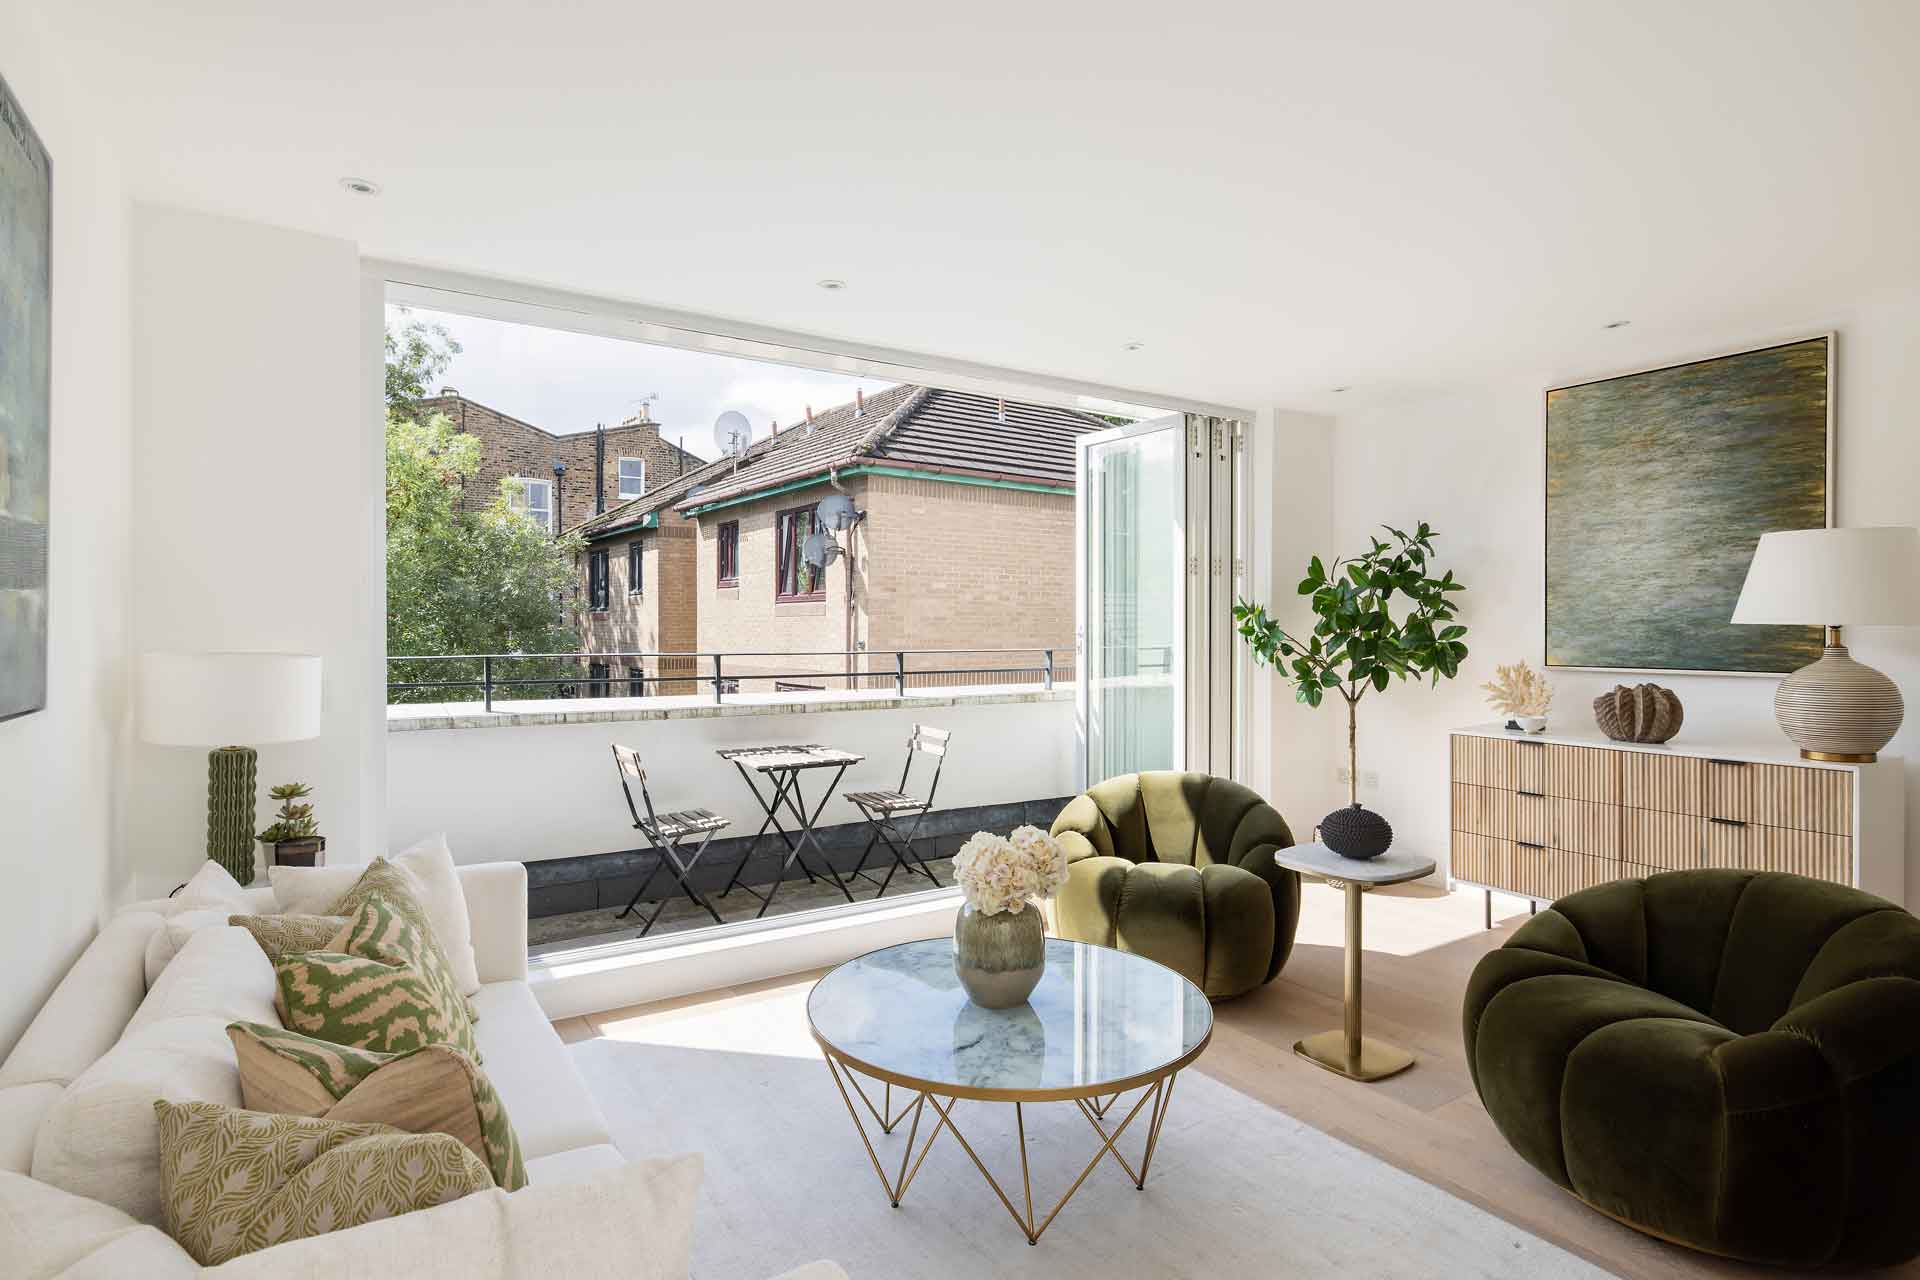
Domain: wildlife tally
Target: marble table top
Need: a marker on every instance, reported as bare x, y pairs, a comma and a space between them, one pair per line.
1099, 1016
1395, 866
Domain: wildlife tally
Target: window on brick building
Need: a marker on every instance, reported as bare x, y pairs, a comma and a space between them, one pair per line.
535, 501
727, 541
634, 580
597, 673
597, 581
795, 578
636, 682
633, 477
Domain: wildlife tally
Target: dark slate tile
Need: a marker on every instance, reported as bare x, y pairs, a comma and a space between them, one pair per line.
554, 900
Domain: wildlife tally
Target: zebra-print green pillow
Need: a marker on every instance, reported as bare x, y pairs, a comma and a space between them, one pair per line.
387, 989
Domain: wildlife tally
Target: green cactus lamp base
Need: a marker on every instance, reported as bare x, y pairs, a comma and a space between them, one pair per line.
230, 813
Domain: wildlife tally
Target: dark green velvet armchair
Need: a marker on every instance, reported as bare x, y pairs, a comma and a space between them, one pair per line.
1179, 868
1724, 1059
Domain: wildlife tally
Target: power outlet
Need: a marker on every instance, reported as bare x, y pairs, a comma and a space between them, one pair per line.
1369, 778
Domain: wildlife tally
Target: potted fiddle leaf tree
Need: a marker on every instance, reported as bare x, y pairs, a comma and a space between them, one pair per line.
1359, 644
295, 835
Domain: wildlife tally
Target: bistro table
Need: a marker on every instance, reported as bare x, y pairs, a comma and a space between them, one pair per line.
782, 767
1345, 1051
1101, 1024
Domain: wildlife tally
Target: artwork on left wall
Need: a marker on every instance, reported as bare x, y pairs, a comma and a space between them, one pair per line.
26, 343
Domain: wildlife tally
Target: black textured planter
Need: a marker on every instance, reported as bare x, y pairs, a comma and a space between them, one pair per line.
1357, 833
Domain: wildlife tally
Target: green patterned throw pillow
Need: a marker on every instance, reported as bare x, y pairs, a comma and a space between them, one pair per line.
435, 1089
400, 888
285, 935
236, 1181
380, 991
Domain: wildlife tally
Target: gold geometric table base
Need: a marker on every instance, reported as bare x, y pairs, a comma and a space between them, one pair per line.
1376, 1060
1159, 1093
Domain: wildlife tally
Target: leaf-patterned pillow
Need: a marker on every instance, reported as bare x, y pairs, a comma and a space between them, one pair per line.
235, 1181
402, 890
436, 1089
386, 989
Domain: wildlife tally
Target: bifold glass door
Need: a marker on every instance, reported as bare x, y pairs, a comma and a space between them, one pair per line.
1154, 609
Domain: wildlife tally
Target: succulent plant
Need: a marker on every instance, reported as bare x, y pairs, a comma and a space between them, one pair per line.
296, 821
1518, 690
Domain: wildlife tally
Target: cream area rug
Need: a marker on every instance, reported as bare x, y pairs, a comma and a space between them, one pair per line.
1237, 1189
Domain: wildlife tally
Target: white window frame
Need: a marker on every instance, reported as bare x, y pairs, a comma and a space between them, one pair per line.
620, 479
524, 507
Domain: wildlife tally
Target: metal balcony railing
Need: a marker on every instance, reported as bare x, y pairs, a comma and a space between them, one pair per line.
431, 677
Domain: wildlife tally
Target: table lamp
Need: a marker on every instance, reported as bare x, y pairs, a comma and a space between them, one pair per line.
1836, 708
218, 699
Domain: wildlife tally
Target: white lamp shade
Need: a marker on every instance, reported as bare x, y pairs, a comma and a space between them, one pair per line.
1834, 577
228, 699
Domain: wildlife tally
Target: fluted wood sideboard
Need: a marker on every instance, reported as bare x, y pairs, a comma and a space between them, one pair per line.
1543, 815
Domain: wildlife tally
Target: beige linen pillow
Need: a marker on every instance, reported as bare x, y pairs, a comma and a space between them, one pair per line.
435, 1089
318, 891
236, 1181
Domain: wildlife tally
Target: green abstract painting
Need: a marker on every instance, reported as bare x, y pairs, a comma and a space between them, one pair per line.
26, 307
1659, 484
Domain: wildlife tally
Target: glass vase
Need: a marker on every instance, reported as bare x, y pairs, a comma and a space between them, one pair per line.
999, 958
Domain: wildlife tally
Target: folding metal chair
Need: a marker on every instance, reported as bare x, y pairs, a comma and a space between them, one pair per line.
884, 810
671, 835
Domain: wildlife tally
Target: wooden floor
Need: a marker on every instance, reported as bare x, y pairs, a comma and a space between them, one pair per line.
1421, 944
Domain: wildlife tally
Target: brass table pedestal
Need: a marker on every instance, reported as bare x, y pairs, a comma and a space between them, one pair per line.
1345, 1051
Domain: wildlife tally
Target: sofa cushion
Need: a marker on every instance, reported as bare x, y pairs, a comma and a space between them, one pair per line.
386, 988
318, 891
582, 1164
100, 1139
542, 1089
630, 1223
436, 1089
238, 1181
89, 1009
46, 1232
172, 935
22, 1108
286, 934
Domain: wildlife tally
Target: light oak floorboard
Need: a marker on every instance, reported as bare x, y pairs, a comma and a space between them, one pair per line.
1421, 945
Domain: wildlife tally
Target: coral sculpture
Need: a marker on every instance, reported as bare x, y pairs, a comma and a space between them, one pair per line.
1642, 713
1519, 690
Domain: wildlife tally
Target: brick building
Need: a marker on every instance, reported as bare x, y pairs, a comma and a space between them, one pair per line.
967, 539
602, 467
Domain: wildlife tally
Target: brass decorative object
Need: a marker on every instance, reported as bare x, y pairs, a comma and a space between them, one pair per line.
1639, 713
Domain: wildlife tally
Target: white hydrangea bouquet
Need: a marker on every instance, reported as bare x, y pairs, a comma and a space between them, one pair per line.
1003, 873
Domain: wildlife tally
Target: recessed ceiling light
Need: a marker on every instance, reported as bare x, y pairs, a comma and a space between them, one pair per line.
831, 285
1132, 346
360, 186
1618, 324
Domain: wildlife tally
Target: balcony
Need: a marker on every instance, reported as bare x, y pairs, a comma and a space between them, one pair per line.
520, 767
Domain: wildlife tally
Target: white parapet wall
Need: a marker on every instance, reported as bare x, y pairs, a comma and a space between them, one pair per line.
531, 781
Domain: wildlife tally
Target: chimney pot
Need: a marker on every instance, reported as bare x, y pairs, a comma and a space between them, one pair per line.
448, 391
859, 403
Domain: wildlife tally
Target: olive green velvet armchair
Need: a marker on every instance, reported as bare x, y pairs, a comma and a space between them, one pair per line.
1178, 867
1728, 1060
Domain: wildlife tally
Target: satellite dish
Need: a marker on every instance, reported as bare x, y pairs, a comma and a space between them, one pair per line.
820, 550
732, 433
835, 512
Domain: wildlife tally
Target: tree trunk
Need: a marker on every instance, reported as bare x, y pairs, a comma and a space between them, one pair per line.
1353, 770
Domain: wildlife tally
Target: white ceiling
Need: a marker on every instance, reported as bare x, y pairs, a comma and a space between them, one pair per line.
1275, 198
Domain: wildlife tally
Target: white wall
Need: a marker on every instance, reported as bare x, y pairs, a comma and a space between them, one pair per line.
548, 791
60, 769
258, 509
1469, 460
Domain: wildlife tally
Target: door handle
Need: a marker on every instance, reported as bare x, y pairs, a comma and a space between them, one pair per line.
1728, 822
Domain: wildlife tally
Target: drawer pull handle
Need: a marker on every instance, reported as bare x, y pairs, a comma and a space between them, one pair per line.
1732, 764
1528, 844
1532, 795
1530, 742
1728, 822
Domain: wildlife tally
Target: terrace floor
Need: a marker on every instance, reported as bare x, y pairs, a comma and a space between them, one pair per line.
552, 935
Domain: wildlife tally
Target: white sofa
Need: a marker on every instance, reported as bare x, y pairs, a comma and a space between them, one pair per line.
142, 1014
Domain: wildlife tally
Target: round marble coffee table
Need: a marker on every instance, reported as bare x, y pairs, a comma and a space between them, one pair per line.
1101, 1024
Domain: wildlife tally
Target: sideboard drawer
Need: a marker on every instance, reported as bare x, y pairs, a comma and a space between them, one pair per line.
1803, 799
1729, 789
1482, 859
1748, 846
1577, 826
1580, 773
1482, 811
1547, 874
1667, 841
1484, 762
1740, 845
1671, 784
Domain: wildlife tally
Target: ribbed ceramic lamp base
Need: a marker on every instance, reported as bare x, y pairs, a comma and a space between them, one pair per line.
230, 794
1839, 709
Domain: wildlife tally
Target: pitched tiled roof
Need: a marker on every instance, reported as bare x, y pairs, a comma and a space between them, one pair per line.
923, 428
633, 513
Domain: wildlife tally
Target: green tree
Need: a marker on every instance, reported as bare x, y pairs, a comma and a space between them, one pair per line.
460, 580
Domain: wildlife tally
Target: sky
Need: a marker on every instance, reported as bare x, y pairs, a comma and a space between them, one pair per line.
566, 382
